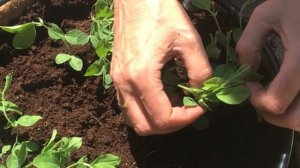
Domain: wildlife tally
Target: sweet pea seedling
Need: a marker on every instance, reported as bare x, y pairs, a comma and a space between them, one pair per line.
9, 109
100, 37
56, 154
75, 62
227, 85
25, 35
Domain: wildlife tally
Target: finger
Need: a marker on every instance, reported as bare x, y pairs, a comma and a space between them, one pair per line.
253, 38
136, 114
290, 119
195, 59
163, 117
282, 90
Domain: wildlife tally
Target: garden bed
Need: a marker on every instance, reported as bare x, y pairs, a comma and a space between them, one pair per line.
79, 106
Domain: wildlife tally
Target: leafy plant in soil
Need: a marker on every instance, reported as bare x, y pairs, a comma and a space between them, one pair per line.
54, 154
100, 37
227, 85
228, 82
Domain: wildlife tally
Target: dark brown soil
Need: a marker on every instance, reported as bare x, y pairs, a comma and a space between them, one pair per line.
79, 106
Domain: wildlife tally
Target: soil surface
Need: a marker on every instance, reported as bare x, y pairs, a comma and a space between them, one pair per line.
79, 106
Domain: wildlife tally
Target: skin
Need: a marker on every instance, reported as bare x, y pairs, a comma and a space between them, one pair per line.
148, 33
278, 103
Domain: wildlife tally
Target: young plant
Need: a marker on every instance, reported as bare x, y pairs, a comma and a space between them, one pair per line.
19, 150
227, 84
56, 154
25, 34
10, 109
101, 38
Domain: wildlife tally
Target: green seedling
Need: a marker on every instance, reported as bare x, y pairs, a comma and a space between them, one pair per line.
101, 38
56, 154
226, 85
75, 62
19, 150
25, 35
10, 109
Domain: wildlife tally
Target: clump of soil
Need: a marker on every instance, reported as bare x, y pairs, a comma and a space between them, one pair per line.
79, 106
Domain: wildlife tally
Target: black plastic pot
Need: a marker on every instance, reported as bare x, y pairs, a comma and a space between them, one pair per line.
271, 146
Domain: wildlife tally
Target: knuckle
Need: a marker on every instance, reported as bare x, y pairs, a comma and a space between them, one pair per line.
274, 107
202, 75
142, 130
160, 124
130, 74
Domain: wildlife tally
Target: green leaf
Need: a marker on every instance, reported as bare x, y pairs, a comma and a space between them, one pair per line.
81, 162
51, 142
202, 4
94, 40
73, 143
189, 102
242, 73
31, 146
107, 79
8, 124
5, 149
102, 50
106, 160
25, 38
213, 83
76, 63
223, 71
235, 95
221, 38
55, 32
236, 34
95, 69
213, 51
28, 121
21, 152
2, 166
77, 37
10, 107
7, 85
15, 29
12, 161
46, 160
62, 58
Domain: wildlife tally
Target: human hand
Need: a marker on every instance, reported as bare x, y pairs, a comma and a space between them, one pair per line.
149, 33
279, 103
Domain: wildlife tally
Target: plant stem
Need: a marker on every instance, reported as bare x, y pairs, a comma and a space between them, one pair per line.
4, 109
214, 15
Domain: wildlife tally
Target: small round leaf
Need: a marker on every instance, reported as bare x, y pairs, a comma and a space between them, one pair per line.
76, 63
27, 121
62, 58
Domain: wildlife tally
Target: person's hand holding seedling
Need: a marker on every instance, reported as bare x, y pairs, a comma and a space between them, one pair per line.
279, 103
148, 33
